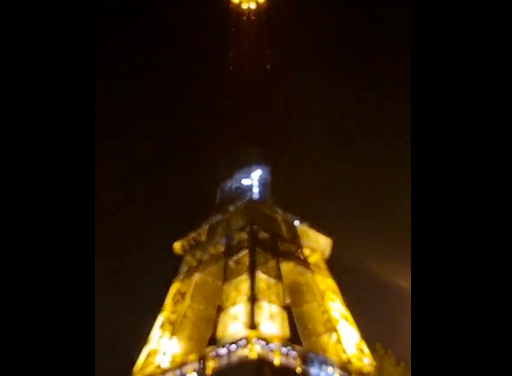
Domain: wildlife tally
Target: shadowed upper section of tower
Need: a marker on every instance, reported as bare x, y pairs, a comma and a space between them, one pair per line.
288, 228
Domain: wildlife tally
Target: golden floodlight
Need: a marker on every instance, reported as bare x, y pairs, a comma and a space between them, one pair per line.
252, 5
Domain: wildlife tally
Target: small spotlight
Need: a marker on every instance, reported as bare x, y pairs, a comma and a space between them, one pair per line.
252, 5
261, 1
246, 181
245, 5
296, 222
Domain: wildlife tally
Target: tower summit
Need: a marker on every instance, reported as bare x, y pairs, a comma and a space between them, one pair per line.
254, 290
248, 183
249, 53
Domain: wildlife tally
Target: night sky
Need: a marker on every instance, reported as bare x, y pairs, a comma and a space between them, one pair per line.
332, 118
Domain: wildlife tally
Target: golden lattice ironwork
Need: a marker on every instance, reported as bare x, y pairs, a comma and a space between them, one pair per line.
241, 272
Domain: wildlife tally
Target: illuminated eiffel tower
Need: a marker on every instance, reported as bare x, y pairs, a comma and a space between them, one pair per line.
254, 296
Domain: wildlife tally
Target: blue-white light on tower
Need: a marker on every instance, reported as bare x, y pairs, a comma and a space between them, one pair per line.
253, 181
255, 176
320, 370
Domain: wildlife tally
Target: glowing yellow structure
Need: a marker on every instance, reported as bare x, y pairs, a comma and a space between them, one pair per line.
248, 275
248, 5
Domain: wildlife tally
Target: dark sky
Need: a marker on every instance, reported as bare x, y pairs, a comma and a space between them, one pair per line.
333, 119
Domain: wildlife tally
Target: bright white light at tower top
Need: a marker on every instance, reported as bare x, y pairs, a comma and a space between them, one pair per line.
296, 222
256, 174
253, 181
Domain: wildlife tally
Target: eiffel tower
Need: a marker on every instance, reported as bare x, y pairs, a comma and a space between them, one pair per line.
254, 296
